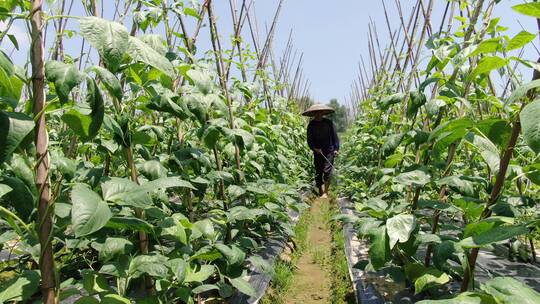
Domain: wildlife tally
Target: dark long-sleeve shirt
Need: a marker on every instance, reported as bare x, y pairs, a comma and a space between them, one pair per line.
322, 135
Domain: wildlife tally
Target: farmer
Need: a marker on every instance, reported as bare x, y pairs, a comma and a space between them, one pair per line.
323, 141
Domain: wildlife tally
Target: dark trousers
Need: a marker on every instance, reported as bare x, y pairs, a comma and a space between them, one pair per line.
323, 167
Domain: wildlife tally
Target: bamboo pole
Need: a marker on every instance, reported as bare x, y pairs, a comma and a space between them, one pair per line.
45, 208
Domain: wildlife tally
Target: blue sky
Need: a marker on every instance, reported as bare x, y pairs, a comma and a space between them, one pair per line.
331, 34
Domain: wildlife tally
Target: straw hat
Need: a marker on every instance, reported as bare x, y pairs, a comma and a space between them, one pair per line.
318, 108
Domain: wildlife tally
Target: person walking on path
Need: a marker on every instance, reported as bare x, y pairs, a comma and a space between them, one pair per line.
323, 141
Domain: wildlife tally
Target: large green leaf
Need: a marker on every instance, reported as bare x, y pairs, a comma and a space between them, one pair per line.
399, 228
487, 46
86, 119
153, 265
413, 178
431, 278
489, 152
142, 52
496, 130
14, 127
464, 298
129, 223
233, 254
389, 100
488, 64
520, 40
243, 286
21, 198
89, 212
65, 77
109, 38
416, 100
507, 290
95, 101
522, 90
494, 235
201, 275
530, 125
114, 247
21, 287
166, 183
125, 192
459, 184
109, 81
530, 9
379, 252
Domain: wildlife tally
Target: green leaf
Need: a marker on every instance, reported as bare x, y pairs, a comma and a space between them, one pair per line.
496, 130
153, 169
464, 298
399, 228
20, 198
243, 286
431, 278
78, 122
95, 101
14, 127
109, 81
114, 299
494, 235
109, 38
179, 267
125, 192
166, 183
416, 100
530, 125
390, 100
129, 223
507, 290
520, 40
235, 191
379, 252
459, 184
233, 254
153, 265
489, 152
522, 90
4, 189
413, 178
65, 78
529, 9
114, 247
94, 282
20, 288
89, 212
210, 136
391, 142
200, 276
142, 52
487, 46
488, 64
204, 288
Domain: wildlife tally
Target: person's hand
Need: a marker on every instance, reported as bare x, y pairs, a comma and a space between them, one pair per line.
336, 153
318, 151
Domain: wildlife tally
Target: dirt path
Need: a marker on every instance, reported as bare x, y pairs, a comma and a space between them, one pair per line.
311, 282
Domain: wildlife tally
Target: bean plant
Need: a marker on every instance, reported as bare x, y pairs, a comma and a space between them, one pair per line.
145, 173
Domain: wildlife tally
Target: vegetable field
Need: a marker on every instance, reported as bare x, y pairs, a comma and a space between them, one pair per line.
442, 162
151, 154
133, 166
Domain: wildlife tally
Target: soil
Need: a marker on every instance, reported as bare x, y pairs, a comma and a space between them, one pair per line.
311, 282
